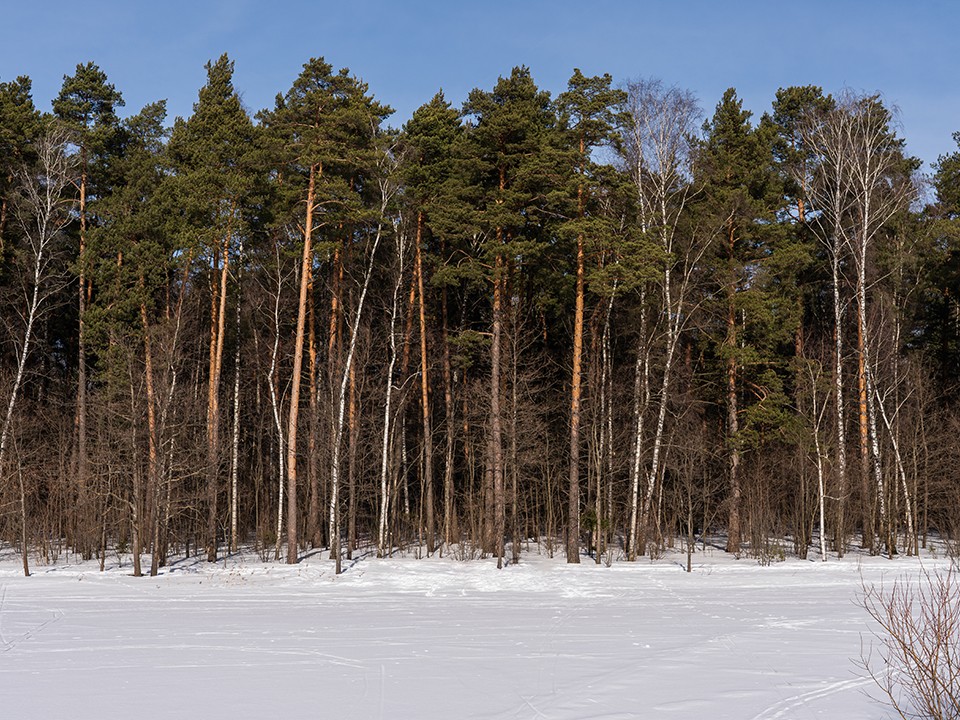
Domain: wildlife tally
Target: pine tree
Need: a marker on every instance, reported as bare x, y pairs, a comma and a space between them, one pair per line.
589, 113
430, 137
128, 262
325, 130
515, 163
799, 271
20, 125
734, 166
211, 157
87, 105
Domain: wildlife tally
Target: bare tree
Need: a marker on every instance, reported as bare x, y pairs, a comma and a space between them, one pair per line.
917, 665
658, 150
830, 199
43, 210
859, 185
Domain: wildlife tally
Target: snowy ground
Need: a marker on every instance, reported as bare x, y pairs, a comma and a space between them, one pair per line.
439, 639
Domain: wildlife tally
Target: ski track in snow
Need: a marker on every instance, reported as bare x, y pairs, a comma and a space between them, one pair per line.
787, 707
436, 639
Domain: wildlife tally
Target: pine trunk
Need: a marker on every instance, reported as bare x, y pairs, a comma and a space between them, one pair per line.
573, 482
152, 443
306, 270
425, 396
496, 431
82, 459
218, 320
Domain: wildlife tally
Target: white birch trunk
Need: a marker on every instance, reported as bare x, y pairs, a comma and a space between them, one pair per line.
388, 406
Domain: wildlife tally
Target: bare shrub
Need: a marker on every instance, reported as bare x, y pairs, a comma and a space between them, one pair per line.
915, 660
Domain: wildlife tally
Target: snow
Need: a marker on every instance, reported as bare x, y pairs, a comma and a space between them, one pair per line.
440, 638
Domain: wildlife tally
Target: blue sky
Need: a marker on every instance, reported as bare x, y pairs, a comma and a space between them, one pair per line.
408, 49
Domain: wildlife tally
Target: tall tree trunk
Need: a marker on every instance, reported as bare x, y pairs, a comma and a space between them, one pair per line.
885, 526
514, 449
275, 407
641, 400
425, 396
869, 533
605, 460
235, 445
388, 420
153, 464
136, 505
314, 533
573, 482
352, 431
496, 432
839, 534
86, 547
672, 310
334, 340
306, 270
448, 507
218, 321
733, 420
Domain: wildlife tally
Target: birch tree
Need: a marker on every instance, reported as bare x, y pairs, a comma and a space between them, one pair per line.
658, 152
43, 208
861, 183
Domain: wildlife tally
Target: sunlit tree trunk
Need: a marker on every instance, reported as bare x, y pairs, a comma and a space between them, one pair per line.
425, 395
306, 270
218, 321
573, 483
153, 464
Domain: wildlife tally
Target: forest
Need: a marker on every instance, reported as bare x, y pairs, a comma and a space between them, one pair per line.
602, 323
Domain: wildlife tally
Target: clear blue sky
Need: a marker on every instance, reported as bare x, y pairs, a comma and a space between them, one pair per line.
408, 49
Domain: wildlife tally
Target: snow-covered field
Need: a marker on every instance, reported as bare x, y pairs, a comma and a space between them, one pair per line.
437, 638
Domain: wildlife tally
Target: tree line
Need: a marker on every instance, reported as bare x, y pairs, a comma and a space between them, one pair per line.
600, 322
